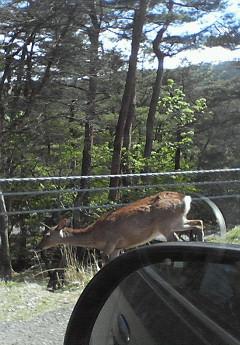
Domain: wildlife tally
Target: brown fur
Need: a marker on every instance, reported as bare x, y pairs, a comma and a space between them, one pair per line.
127, 227
166, 201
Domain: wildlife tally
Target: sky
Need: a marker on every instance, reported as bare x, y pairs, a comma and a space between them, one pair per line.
206, 55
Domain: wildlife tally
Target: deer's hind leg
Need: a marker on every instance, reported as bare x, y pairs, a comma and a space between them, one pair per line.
110, 249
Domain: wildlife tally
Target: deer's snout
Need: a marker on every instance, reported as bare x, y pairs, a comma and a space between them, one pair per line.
44, 243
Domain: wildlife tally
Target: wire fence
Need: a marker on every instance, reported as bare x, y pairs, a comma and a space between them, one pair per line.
94, 177
41, 196
145, 186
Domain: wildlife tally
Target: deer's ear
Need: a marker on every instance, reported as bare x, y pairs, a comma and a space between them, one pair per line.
54, 227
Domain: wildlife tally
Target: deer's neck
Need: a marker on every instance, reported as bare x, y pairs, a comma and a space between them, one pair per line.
82, 238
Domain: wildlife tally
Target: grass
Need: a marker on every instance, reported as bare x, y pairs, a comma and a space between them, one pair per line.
76, 272
24, 300
231, 237
26, 295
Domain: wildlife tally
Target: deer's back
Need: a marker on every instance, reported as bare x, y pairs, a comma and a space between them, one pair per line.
157, 213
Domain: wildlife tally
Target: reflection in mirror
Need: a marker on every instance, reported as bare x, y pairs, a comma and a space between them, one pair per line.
173, 303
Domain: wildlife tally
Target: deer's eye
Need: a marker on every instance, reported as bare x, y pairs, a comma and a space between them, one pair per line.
48, 234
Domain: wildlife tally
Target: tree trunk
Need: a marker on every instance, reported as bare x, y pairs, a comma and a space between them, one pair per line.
5, 262
127, 139
93, 34
87, 156
152, 109
1, 136
177, 159
5, 75
138, 22
157, 85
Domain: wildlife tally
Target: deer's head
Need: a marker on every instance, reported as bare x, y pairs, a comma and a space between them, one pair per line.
53, 236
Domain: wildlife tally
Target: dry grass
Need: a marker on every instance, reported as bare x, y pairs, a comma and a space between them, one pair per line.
23, 300
27, 296
76, 271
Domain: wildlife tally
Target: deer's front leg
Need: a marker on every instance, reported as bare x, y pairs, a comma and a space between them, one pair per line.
195, 226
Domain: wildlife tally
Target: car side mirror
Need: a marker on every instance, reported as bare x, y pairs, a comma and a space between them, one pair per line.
167, 293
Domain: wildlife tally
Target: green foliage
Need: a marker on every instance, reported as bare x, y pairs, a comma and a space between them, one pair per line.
133, 159
175, 114
177, 118
232, 237
101, 158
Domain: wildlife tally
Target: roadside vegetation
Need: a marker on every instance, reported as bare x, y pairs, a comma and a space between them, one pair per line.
26, 295
232, 237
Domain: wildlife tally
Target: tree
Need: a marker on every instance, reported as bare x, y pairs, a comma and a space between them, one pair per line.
225, 32
93, 31
138, 22
166, 45
216, 136
30, 47
177, 118
5, 262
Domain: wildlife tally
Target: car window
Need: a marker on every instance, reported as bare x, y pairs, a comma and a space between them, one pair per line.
167, 303
212, 288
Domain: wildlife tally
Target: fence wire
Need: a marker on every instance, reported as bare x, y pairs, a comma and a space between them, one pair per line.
103, 189
95, 177
104, 206
231, 188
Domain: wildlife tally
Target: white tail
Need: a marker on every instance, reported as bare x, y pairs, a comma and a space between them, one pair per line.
163, 214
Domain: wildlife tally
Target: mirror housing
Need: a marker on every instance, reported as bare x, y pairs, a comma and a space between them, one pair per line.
97, 292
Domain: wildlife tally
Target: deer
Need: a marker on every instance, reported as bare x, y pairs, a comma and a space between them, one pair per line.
163, 215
